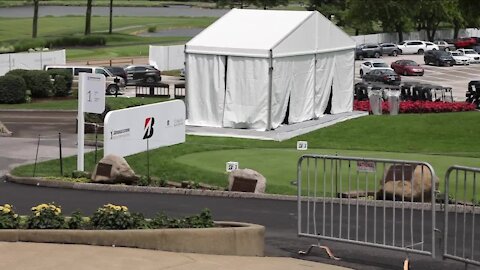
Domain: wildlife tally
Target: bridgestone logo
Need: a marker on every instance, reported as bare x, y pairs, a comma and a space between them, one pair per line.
148, 127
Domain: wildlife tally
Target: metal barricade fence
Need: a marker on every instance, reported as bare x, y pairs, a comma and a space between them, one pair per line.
461, 211
374, 202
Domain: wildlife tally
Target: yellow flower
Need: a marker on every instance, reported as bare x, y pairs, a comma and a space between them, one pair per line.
37, 214
118, 208
124, 208
58, 211
7, 205
34, 208
6, 210
1, 208
15, 216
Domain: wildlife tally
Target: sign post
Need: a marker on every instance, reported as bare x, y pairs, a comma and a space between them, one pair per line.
91, 99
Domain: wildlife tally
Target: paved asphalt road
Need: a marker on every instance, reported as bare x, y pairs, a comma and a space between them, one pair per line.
279, 217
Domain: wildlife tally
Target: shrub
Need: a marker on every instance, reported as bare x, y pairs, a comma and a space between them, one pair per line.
67, 76
46, 216
77, 221
202, 220
419, 106
37, 81
60, 88
12, 89
72, 41
8, 218
25, 45
114, 217
152, 29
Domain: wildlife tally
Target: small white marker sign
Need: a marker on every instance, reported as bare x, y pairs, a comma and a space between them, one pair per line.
231, 166
302, 145
92, 87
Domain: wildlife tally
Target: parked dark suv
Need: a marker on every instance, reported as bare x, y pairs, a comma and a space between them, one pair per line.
390, 49
368, 51
118, 71
438, 58
143, 75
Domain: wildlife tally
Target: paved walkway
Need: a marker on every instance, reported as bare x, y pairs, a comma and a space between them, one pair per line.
37, 256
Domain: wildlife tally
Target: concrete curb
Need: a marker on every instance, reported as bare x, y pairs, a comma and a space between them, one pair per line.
230, 238
43, 182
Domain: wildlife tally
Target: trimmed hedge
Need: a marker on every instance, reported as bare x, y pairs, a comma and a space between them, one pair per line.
62, 85
12, 89
38, 81
61, 42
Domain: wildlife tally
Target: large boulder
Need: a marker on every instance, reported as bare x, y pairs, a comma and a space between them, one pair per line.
246, 180
411, 186
114, 169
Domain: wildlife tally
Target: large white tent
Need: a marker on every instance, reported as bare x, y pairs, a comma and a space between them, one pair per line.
250, 66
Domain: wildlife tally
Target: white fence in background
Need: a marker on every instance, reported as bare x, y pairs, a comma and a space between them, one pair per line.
30, 60
167, 57
421, 35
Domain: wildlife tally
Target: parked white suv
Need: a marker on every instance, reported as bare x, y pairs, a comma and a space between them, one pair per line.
416, 46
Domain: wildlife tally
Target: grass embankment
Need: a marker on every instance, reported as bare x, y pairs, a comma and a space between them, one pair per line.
442, 139
123, 43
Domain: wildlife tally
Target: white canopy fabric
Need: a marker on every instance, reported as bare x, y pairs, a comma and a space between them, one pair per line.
272, 62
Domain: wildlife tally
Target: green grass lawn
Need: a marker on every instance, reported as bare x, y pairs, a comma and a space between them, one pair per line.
444, 139
71, 104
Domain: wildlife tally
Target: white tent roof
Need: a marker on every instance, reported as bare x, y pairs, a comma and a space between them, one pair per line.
253, 33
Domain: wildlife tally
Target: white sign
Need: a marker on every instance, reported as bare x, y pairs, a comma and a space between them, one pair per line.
93, 88
366, 166
302, 145
231, 166
127, 131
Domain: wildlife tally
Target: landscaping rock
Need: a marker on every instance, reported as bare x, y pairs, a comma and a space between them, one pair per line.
114, 169
412, 184
246, 175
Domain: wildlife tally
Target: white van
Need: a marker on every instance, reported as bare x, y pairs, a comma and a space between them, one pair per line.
113, 83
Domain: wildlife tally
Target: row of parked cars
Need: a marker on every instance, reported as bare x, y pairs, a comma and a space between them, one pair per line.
376, 70
116, 77
414, 47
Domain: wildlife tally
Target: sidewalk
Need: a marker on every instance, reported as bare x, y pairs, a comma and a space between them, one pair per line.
41, 256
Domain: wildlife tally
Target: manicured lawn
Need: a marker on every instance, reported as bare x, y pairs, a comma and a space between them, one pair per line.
71, 104
74, 25
443, 139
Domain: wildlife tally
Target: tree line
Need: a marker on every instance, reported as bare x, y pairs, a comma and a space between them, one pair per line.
371, 16
364, 16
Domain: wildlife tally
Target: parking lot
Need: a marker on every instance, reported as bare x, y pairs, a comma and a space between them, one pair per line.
456, 77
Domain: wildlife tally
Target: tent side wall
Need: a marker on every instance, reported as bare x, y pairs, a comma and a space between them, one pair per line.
206, 89
343, 82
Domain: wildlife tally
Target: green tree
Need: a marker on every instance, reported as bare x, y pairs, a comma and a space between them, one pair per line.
430, 13
35, 18
392, 15
465, 15
88, 18
330, 9
269, 3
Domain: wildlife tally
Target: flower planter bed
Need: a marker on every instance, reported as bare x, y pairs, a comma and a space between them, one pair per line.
227, 238
419, 106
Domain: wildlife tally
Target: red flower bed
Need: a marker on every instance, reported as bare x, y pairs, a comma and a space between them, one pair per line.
418, 106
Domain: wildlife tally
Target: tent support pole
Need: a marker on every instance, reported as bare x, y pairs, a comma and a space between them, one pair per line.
185, 65
270, 86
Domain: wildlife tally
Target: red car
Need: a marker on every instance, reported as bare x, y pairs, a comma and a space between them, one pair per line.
467, 42
407, 67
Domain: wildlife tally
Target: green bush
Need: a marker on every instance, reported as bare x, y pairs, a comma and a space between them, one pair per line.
77, 221
114, 217
60, 88
67, 75
12, 89
25, 45
46, 216
37, 81
8, 218
152, 29
202, 220
72, 41
93, 41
